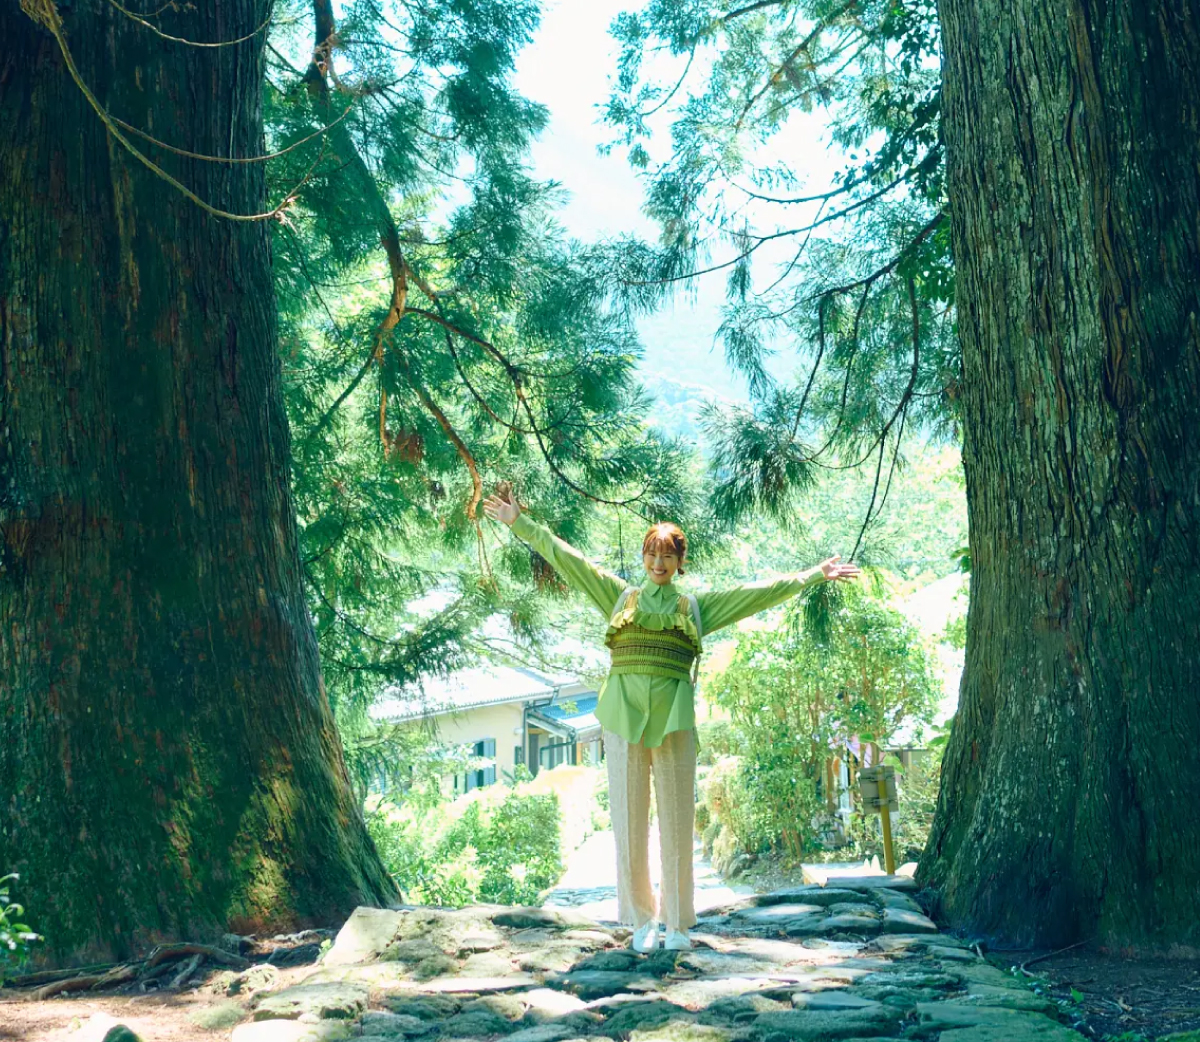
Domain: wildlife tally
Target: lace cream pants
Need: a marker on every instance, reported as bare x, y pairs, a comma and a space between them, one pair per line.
673, 765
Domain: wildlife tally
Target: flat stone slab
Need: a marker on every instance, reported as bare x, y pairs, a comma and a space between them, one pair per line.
476, 985
826, 1025
341, 1000
859, 924
989, 1024
291, 1031
773, 913
900, 920
365, 934
832, 999
543, 918
600, 984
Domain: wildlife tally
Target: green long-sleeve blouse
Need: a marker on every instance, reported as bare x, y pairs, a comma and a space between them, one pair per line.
646, 708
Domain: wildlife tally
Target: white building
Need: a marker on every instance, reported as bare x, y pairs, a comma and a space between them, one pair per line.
507, 715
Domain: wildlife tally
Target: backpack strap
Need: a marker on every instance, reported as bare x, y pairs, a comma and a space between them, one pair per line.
625, 595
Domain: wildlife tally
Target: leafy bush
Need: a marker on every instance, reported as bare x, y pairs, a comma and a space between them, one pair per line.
15, 937
507, 852
854, 672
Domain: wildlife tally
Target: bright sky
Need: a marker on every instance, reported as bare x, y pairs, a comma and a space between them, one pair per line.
568, 68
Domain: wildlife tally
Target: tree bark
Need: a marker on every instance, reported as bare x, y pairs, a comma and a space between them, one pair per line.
1068, 808
169, 766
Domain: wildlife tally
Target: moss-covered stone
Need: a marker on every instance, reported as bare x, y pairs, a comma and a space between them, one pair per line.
428, 1007
219, 1017
338, 1001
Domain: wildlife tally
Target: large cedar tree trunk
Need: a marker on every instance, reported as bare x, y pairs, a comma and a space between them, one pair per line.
169, 766
1068, 808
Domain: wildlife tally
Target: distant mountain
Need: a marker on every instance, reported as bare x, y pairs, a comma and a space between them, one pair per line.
680, 404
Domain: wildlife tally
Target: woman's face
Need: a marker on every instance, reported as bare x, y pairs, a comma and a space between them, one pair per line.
661, 564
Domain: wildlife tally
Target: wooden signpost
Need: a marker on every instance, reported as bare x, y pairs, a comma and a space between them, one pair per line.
877, 786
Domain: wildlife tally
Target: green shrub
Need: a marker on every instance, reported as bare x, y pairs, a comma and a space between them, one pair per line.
854, 671
503, 851
15, 937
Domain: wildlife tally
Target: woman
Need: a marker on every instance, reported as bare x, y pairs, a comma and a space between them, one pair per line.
646, 704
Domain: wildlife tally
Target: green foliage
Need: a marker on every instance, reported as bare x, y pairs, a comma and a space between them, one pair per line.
16, 937
854, 277
505, 852
438, 334
855, 671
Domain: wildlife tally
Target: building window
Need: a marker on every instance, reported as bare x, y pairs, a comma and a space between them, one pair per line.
484, 749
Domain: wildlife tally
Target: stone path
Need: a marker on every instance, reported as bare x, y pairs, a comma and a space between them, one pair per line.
808, 963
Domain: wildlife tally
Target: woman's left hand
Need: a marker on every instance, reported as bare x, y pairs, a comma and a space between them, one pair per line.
834, 571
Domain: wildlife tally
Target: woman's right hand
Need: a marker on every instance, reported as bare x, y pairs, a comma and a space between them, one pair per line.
502, 505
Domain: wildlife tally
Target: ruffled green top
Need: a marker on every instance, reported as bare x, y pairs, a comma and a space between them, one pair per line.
642, 707
652, 643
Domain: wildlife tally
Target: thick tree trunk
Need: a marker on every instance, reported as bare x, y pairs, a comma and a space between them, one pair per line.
168, 762
1068, 807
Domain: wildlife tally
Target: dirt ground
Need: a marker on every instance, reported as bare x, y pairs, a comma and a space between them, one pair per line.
1115, 998
200, 1012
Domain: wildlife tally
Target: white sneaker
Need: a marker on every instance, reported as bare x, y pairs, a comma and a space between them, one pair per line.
645, 937
677, 941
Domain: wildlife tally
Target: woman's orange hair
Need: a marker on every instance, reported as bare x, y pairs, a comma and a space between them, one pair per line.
667, 538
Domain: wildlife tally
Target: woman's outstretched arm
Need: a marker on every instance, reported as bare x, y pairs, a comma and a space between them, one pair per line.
598, 586
724, 607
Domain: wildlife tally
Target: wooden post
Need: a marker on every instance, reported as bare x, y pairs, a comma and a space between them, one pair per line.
877, 786
885, 821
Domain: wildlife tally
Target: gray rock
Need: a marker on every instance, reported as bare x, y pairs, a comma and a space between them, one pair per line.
427, 1007
618, 959
481, 939
544, 1033
1042, 1030
249, 982
218, 1017
1009, 998
776, 913
599, 984
379, 1024
898, 920
510, 1007
301, 955
741, 1010
946, 954
824, 1025
478, 985
700, 994
831, 999
475, 1022
859, 924
551, 959
291, 1031
904, 977
545, 1003
542, 918
411, 952
900, 944
895, 899
434, 966
812, 895
635, 1016
334, 1001
487, 964
685, 1031
990, 1023
853, 908
366, 933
